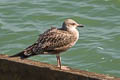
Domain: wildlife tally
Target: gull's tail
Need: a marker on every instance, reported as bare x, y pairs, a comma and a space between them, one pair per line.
20, 54
26, 53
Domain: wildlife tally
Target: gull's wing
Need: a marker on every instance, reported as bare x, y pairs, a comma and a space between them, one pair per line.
54, 40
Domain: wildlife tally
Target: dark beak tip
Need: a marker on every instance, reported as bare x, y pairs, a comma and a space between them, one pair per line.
81, 25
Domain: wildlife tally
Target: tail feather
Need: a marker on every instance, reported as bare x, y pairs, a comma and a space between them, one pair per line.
20, 54
26, 53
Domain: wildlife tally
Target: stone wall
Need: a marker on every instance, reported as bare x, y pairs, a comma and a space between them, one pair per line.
17, 69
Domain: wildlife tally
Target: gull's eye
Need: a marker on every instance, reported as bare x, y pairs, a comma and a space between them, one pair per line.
72, 23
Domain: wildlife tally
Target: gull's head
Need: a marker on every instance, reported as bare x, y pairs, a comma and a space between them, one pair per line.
69, 23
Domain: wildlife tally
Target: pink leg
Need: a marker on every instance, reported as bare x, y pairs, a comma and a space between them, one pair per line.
59, 63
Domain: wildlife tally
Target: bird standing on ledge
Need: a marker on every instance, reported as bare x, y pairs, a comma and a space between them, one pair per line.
54, 41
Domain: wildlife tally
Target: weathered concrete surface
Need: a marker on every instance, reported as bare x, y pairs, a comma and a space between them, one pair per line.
17, 69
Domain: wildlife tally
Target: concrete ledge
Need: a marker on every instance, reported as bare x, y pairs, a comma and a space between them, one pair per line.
17, 69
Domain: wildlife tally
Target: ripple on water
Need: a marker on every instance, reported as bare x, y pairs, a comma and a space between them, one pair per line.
97, 49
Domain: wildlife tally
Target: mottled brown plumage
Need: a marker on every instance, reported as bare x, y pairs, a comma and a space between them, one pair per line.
54, 41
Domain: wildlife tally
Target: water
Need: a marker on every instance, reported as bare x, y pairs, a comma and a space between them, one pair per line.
21, 21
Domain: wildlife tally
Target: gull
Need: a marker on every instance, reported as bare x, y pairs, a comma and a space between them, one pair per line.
54, 41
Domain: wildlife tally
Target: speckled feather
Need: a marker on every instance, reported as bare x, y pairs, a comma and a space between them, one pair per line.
52, 41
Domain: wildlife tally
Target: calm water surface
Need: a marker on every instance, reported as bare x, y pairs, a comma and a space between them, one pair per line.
98, 49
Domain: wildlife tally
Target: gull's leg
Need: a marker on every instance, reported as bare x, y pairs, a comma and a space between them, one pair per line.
59, 63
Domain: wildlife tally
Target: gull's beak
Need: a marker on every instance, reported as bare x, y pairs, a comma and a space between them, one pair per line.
80, 25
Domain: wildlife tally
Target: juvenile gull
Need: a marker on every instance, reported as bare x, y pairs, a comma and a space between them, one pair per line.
54, 41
